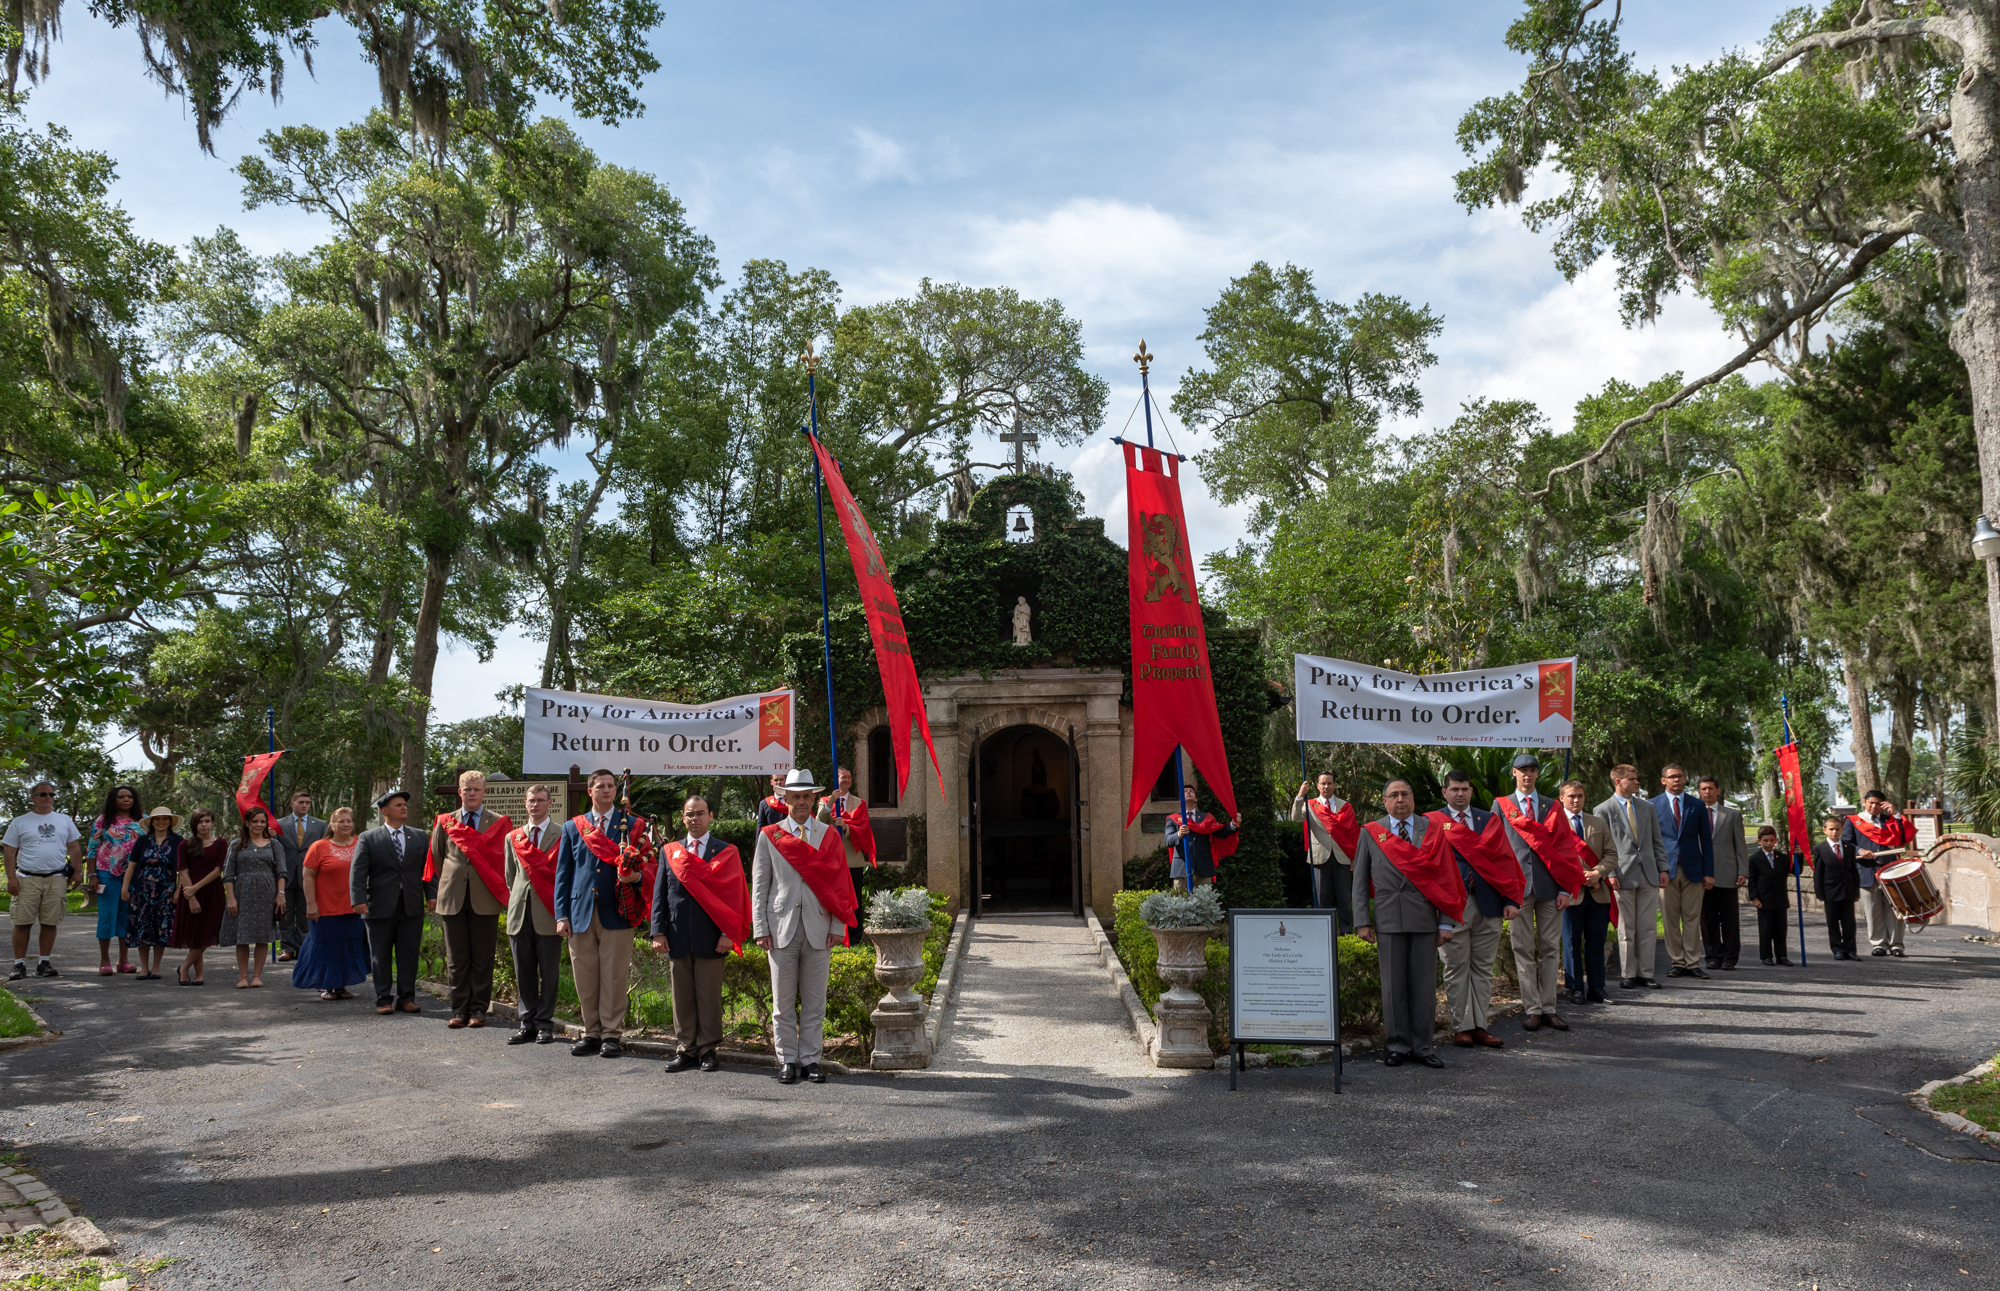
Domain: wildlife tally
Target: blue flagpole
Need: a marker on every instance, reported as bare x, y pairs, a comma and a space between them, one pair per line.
825, 615
271, 746
1798, 888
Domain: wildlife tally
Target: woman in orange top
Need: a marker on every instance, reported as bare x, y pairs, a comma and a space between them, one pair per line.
335, 954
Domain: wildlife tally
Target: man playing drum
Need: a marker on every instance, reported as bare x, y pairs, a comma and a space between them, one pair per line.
1878, 833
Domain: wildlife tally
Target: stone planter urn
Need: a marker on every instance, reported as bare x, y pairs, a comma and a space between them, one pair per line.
1182, 1015
901, 1041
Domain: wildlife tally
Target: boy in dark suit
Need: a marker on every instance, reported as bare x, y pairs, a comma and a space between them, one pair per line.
1768, 871
1837, 884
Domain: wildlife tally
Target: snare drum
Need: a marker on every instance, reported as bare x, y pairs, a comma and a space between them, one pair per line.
1911, 892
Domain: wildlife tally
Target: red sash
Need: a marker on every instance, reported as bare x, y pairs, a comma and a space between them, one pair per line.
1342, 826
1488, 853
1893, 834
717, 884
539, 866
1427, 865
824, 868
1219, 849
859, 831
482, 847
775, 802
1552, 840
633, 906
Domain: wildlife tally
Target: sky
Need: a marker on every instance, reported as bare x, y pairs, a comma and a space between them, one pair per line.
1126, 159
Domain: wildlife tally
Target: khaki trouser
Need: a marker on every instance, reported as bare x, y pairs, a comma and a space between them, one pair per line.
1638, 931
1537, 934
1885, 926
697, 1004
1681, 907
1468, 968
601, 959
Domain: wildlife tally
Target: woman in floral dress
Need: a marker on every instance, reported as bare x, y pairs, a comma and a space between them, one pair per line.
148, 890
112, 837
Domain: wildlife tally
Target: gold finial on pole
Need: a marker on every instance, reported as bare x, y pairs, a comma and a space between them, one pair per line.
1143, 358
810, 359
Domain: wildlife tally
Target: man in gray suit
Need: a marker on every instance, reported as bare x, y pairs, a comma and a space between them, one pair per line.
1537, 929
1407, 930
386, 884
1721, 933
1642, 872
295, 833
795, 928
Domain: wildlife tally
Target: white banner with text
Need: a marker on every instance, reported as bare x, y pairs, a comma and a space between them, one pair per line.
1527, 705
742, 735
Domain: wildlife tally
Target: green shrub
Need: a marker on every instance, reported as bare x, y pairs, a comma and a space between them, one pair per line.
15, 1019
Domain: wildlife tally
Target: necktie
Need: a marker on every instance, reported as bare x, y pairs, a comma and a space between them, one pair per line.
1403, 830
299, 830
398, 836
1631, 822
535, 837
1576, 824
1459, 816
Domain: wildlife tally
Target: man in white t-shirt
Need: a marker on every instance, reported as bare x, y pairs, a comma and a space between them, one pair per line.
38, 845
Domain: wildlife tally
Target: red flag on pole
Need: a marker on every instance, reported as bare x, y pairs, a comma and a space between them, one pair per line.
900, 688
1795, 796
255, 767
1173, 692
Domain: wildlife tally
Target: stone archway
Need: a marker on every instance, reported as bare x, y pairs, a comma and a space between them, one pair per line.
1025, 832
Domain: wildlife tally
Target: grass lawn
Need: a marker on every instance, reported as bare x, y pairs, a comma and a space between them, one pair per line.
1977, 1100
14, 1019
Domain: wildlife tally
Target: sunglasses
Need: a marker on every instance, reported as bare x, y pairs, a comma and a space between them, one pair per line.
45, 794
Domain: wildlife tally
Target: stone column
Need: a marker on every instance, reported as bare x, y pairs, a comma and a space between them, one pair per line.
1104, 840
945, 849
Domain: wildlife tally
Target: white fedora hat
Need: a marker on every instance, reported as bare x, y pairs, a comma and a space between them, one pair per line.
802, 779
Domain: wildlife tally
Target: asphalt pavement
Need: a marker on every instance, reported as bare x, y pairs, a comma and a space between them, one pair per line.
1744, 1132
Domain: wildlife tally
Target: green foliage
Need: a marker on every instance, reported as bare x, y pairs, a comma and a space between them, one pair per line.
1244, 699
15, 1020
1977, 1100
1972, 777
1180, 908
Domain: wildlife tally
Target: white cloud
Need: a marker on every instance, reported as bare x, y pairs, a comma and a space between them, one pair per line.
881, 157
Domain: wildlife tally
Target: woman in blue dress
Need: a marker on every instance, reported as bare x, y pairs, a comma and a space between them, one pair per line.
148, 890
112, 837
335, 954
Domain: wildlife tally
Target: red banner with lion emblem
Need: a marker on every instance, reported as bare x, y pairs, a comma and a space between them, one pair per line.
905, 697
1173, 691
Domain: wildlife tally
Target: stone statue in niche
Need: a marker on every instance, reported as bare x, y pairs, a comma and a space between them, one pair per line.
1021, 615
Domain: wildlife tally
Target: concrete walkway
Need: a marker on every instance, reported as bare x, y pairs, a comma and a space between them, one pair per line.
1032, 999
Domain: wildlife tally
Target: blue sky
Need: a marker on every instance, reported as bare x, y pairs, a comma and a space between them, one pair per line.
1127, 159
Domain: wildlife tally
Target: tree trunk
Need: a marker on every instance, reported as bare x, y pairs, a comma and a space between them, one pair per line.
558, 652
385, 639
1975, 134
1902, 734
1862, 740
423, 670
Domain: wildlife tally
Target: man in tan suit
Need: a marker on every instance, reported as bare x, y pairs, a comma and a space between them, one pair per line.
1331, 868
531, 925
1585, 921
1721, 932
468, 909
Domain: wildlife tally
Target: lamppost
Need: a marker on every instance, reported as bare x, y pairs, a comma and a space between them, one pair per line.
1985, 539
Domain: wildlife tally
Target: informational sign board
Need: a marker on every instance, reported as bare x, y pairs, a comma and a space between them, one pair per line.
741, 735
1284, 981
509, 798
1527, 705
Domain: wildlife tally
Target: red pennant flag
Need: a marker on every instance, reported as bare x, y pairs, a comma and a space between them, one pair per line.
774, 721
1558, 691
1173, 692
1795, 795
255, 767
885, 624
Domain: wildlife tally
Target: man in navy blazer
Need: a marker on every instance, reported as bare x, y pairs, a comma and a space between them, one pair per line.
1687, 836
1469, 956
600, 939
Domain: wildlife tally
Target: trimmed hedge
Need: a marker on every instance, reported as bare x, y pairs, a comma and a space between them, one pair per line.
1360, 972
851, 993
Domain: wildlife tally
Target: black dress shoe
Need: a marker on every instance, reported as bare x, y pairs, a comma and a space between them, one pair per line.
611, 1049
814, 1074
1678, 971
1784, 963
1628, 983
524, 1036
1728, 965
1895, 951
1649, 984
545, 1036
1430, 1060
788, 1074
1598, 997
1878, 952
681, 1061
709, 1061
1576, 997
1770, 963
586, 1046
1394, 1059
1696, 972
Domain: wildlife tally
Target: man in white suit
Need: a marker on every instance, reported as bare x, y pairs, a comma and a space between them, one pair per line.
1642, 872
796, 930
1329, 866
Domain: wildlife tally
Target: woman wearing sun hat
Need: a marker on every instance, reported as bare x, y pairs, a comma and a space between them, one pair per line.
148, 890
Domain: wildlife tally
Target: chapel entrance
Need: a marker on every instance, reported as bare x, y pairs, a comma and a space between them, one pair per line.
1027, 846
